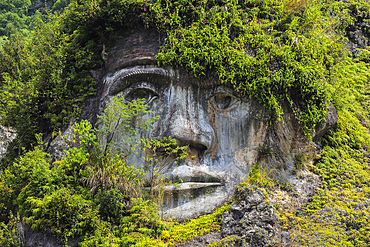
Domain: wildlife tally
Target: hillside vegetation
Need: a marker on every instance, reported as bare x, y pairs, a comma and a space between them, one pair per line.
277, 51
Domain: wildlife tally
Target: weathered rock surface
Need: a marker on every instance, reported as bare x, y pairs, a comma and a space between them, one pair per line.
358, 35
250, 222
58, 145
202, 241
6, 136
225, 133
45, 238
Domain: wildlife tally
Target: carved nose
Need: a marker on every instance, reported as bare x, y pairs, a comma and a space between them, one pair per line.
186, 120
191, 129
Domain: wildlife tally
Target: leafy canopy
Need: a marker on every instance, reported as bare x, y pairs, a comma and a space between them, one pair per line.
276, 51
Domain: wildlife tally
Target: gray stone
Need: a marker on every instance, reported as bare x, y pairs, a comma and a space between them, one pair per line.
202, 241
7, 135
358, 34
251, 221
43, 238
59, 144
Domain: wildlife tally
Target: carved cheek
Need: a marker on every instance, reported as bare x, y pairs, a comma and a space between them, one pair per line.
234, 128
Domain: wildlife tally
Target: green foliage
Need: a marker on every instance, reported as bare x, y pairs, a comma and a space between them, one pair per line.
6, 197
67, 214
113, 205
117, 118
108, 166
58, 198
266, 51
259, 176
60, 5
339, 214
18, 16
195, 227
42, 201
9, 233
140, 225
232, 240
30, 176
40, 83
102, 236
265, 151
13, 15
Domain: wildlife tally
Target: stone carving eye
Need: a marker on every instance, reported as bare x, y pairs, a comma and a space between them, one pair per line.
142, 93
222, 100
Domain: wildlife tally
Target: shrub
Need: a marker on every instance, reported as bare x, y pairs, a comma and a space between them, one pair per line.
9, 233
6, 196
67, 214
113, 205
259, 176
141, 225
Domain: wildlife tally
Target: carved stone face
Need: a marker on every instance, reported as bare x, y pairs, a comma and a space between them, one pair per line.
222, 131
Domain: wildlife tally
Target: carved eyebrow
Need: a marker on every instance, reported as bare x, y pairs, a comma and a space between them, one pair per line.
125, 77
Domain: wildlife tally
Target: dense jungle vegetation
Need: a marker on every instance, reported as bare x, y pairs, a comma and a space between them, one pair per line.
19, 15
277, 51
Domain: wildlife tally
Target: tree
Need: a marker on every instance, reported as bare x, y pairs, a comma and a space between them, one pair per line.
13, 15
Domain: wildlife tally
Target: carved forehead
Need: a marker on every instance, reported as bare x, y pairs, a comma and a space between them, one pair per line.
129, 48
139, 48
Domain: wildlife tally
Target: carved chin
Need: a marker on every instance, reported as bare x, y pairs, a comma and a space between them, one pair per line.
194, 201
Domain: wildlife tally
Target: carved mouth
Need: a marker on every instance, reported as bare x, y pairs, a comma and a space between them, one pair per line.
192, 178
190, 182
201, 178
189, 186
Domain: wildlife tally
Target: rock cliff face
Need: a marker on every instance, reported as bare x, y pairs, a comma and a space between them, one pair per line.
225, 133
